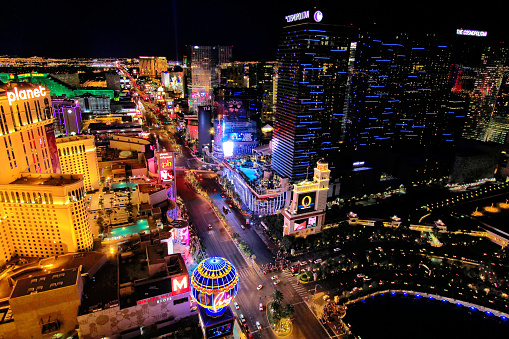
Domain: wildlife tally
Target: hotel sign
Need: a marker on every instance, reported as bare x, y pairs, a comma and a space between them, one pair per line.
318, 16
469, 32
25, 94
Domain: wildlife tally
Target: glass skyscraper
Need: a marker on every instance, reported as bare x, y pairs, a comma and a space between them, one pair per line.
315, 61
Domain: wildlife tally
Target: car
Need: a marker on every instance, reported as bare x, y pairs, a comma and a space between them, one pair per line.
337, 249
210, 226
258, 325
326, 297
242, 226
303, 263
274, 277
236, 305
317, 261
277, 282
242, 319
259, 287
260, 307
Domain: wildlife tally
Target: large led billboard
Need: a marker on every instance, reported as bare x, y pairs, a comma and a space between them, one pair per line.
166, 167
306, 202
302, 224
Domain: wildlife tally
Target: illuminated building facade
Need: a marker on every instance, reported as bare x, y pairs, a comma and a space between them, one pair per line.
483, 96
152, 66
44, 215
156, 295
26, 125
43, 212
203, 61
94, 104
235, 123
315, 61
78, 156
173, 80
306, 214
401, 93
255, 198
67, 117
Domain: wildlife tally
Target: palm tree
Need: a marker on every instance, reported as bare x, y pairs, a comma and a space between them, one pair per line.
277, 296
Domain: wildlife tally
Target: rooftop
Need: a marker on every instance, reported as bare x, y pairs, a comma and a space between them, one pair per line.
46, 282
47, 179
74, 138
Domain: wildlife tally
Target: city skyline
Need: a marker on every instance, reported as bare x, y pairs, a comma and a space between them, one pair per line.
164, 28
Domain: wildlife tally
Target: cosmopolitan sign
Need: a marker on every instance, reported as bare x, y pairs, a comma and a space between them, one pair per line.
297, 16
25, 94
471, 32
318, 16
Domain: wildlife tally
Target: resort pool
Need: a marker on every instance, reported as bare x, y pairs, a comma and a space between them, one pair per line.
251, 173
120, 185
122, 231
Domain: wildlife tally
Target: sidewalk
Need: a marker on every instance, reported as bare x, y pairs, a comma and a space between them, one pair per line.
274, 248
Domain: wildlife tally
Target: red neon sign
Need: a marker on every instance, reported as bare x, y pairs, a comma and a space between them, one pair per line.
180, 284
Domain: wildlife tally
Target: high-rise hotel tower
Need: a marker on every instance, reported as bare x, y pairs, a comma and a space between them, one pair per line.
42, 212
315, 61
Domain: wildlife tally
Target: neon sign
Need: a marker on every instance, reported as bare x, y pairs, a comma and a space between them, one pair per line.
221, 300
306, 202
166, 170
25, 94
318, 16
469, 32
162, 297
297, 16
178, 287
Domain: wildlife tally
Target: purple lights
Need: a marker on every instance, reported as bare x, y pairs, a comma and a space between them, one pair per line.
318, 16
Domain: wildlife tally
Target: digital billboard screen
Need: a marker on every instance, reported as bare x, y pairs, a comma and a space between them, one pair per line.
300, 225
166, 167
247, 136
306, 202
219, 331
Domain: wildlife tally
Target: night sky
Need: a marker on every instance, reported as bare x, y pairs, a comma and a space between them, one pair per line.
127, 28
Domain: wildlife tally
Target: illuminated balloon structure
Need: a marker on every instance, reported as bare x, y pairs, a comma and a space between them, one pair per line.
214, 284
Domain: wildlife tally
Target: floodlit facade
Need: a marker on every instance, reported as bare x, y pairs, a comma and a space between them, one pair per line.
152, 66
306, 214
43, 215
26, 129
78, 156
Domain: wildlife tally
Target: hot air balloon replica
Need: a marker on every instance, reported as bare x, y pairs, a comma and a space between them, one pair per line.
214, 285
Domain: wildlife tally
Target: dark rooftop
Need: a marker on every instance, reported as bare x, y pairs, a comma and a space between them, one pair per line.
46, 282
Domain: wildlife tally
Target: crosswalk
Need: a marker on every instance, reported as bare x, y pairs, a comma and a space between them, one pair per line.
301, 291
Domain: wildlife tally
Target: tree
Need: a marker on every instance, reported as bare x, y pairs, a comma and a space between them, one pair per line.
100, 223
109, 212
277, 296
288, 311
287, 243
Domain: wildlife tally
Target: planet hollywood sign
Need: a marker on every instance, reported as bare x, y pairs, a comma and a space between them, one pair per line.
25, 94
317, 16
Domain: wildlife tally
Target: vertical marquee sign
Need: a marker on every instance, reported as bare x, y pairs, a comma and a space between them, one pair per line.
166, 166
